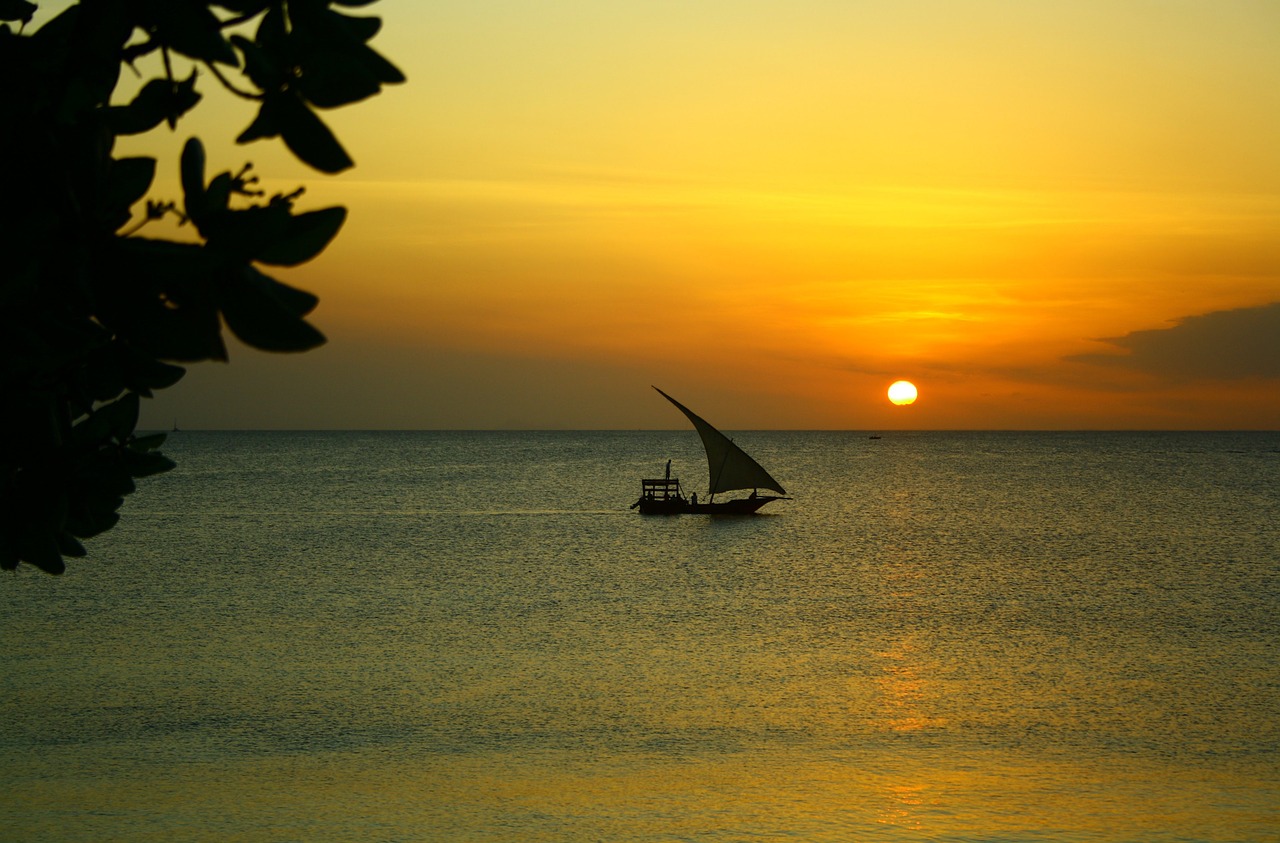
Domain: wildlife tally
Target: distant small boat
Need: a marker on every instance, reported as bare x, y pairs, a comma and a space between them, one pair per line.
729, 469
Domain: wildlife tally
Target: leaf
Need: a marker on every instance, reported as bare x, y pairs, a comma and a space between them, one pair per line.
146, 464
131, 178
193, 179
182, 98
363, 29
68, 545
334, 79
92, 522
305, 236
92, 430
37, 543
159, 100
265, 125
191, 28
18, 10
299, 302
146, 111
241, 233
257, 312
273, 37
218, 197
103, 481
143, 373
336, 66
309, 138
89, 524
383, 70
54, 38
129, 181
258, 66
121, 416
149, 442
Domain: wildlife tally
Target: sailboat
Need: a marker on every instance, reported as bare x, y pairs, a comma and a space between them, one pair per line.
729, 469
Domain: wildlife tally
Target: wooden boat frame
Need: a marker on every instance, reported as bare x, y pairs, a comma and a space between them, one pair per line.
663, 496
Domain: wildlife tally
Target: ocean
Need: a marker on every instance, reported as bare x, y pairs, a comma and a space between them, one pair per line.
469, 636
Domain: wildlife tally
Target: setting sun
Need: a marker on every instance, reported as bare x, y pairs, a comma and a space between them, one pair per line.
902, 392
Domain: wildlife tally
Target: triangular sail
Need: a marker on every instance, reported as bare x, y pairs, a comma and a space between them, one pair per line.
729, 466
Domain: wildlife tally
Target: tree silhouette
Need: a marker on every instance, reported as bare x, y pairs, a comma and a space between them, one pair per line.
91, 313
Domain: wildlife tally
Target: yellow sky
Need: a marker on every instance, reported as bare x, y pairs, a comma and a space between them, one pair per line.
773, 210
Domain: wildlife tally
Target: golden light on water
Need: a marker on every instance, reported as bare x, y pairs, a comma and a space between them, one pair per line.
903, 392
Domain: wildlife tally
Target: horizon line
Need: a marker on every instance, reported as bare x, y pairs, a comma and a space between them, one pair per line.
879, 431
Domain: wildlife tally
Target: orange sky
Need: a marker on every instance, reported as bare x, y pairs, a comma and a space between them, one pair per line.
1046, 215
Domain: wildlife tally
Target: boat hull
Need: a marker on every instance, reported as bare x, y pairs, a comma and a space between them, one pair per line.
677, 506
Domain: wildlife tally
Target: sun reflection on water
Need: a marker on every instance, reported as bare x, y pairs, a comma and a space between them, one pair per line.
906, 690
900, 806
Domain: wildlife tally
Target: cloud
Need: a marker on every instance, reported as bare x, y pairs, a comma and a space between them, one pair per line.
1226, 344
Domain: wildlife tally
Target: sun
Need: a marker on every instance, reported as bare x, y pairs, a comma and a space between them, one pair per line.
902, 392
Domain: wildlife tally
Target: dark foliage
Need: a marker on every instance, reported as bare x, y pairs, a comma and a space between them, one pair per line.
91, 314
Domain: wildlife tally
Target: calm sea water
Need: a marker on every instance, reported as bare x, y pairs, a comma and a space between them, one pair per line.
468, 636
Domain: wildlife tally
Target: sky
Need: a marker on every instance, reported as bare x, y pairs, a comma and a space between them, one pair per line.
1047, 215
